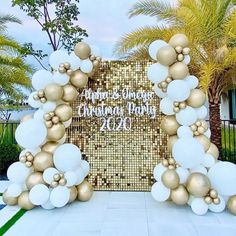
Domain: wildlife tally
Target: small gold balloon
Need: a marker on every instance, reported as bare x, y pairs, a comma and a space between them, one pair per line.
171, 141
73, 193
180, 57
22, 159
201, 130
208, 200
171, 167
193, 127
50, 146
56, 177
171, 161
82, 50
33, 179
170, 179
231, 204
216, 201
213, 193
165, 163
56, 132
180, 195
197, 98
85, 191
64, 112
182, 105
24, 202
169, 125
30, 157
186, 51
28, 164
43, 100
26, 117
62, 181
42, 161
54, 184
166, 55
179, 40
179, 49
96, 63
79, 79
213, 150
55, 119
198, 184
179, 70
69, 93
53, 92
11, 201
204, 141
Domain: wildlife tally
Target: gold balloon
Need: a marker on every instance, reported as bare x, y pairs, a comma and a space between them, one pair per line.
198, 184
179, 70
11, 201
169, 125
53, 92
231, 204
24, 202
170, 179
69, 93
33, 179
213, 150
197, 98
85, 191
26, 117
79, 79
73, 193
171, 141
50, 146
82, 50
56, 132
42, 161
204, 141
64, 112
180, 195
166, 55
179, 40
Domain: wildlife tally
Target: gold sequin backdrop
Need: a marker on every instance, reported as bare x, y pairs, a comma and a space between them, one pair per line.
120, 160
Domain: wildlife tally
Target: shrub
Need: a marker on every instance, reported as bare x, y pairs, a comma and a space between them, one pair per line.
228, 155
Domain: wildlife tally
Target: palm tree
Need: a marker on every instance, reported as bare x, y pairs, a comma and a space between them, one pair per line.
211, 28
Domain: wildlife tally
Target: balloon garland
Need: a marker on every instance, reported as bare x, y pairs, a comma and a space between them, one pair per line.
193, 175
50, 173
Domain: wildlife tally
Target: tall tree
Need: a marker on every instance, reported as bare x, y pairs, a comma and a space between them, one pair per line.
211, 28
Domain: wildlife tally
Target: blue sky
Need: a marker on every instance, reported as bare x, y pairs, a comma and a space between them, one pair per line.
104, 20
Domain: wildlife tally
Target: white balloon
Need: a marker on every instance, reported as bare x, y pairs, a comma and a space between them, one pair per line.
157, 73
67, 157
48, 174
14, 190
58, 57
60, 196
178, 90
183, 174
187, 59
49, 106
31, 133
159, 192
18, 172
187, 116
199, 206
86, 66
159, 92
39, 115
39, 194
74, 61
208, 133
192, 81
47, 205
223, 178
199, 169
188, 152
67, 123
154, 47
218, 207
184, 132
167, 106
158, 171
86, 167
80, 175
41, 79
95, 51
201, 112
209, 161
60, 78
71, 178
63, 139
34, 103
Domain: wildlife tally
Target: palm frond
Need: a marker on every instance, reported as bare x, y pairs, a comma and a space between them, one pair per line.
5, 19
140, 53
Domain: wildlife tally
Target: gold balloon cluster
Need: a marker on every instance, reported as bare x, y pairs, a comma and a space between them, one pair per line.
58, 179
27, 159
40, 95
164, 84
179, 106
199, 128
170, 163
65, 68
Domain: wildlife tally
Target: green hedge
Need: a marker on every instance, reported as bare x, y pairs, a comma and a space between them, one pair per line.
9, 153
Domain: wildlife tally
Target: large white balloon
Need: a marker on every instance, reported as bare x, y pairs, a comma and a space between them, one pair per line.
223, 178
178, 90
157, 73
60, 196
159, 92
49, 106
41, 79
39, 115
158, 171
184, 132
218, 207
188, 152
34, 103
71, 178
14, 190
187, 116
183, 174
86, 167
86, 66
167, 106
199, 206
60, 78
192, 81
48, 174
31, 133
201, 112
58, 57
159, 192
39, 194
18, 172
74, 61
154, 47
67, 157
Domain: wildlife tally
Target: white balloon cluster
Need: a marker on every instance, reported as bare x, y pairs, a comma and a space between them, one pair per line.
50, 173
193, 176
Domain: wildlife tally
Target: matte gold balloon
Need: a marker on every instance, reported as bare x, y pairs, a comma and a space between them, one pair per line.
79, 79
33, 179
56, 132
204, 141
26, 117
171, 141
82, 50
53, 92
180, 195
169, 125
69, 93
198, 184
24, 202
11, 201
42, 161
231, 204
73, 193
170, 179
85, 191
179, 40
166, 55
179, 70
50, 146
197, 98
64, 112
213, 150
